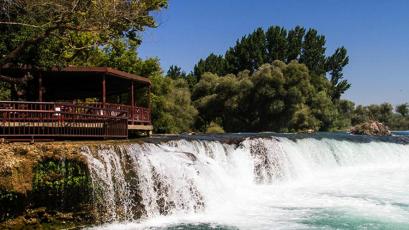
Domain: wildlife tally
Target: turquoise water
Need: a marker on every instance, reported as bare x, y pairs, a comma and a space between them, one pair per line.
276, 183
401, 133
197, 226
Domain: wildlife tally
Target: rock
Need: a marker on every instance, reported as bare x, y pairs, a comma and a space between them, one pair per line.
308, 131
32, 221
68, 216
371, 128
191, 156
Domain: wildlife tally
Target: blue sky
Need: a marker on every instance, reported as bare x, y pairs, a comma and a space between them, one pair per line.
375, 33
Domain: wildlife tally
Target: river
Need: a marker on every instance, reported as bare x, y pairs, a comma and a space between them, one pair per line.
255, 181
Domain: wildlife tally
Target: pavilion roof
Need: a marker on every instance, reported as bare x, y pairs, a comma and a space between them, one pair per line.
82, 70
105, 70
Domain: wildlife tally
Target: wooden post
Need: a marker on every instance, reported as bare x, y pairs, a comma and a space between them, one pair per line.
104, 92
149, 97
132, 115
132, 94
40, 87
150, 107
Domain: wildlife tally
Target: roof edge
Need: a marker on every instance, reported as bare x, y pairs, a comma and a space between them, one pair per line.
106, 70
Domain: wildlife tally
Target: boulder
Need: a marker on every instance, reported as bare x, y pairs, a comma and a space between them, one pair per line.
371, 128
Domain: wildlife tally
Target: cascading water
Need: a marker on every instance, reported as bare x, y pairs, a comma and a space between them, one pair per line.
257, 183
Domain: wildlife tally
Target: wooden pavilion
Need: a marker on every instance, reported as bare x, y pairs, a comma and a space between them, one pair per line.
79, 102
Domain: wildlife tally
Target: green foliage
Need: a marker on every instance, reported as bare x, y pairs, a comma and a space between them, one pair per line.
276, 43
172, 111
398, 122
383, 113
248, 54
335, 65
175, 72
345, 113
46, 33
303, 120
276, 97
295, 38
11, 204
213, 64
214, 128
120, 54
5, 91
324, 111
58, 183
270, 80
292, 93
403, 109
313, 52
51, 33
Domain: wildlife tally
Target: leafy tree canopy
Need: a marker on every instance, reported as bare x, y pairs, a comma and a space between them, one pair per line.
403, 109
276, 97
47, 33
276, 43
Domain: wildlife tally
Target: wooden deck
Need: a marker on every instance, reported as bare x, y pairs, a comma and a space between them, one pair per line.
140, 127
65, 120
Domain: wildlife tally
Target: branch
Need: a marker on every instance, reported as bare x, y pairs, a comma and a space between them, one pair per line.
20, 24
20, 48
13, 80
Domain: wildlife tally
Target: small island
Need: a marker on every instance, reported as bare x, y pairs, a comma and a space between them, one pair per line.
372, 128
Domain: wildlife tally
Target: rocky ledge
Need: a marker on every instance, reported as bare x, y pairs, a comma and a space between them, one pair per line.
39, 187
371, 128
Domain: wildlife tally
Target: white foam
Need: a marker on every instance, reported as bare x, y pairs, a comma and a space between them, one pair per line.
269, 183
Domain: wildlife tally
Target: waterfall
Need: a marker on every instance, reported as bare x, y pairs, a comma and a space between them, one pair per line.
137, 182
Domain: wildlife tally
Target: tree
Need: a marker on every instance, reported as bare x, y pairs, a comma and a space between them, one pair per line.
47, 33
5, 93
248, 54
382, 112
276, 97
213, 63
268, 97
121, 54
175, 72
256, 48
335, 64
403, 109
276, 43
360, 115
260, 47
205, 101
295, 39
303, 120
313, 52
238, 58
345, 114
324, 111
172, 110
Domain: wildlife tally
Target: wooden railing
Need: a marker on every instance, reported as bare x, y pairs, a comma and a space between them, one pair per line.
49, 119
136, 115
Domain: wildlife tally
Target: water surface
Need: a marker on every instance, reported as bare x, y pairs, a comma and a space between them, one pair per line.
268, 182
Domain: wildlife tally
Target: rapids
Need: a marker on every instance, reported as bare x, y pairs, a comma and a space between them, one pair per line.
259, 182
